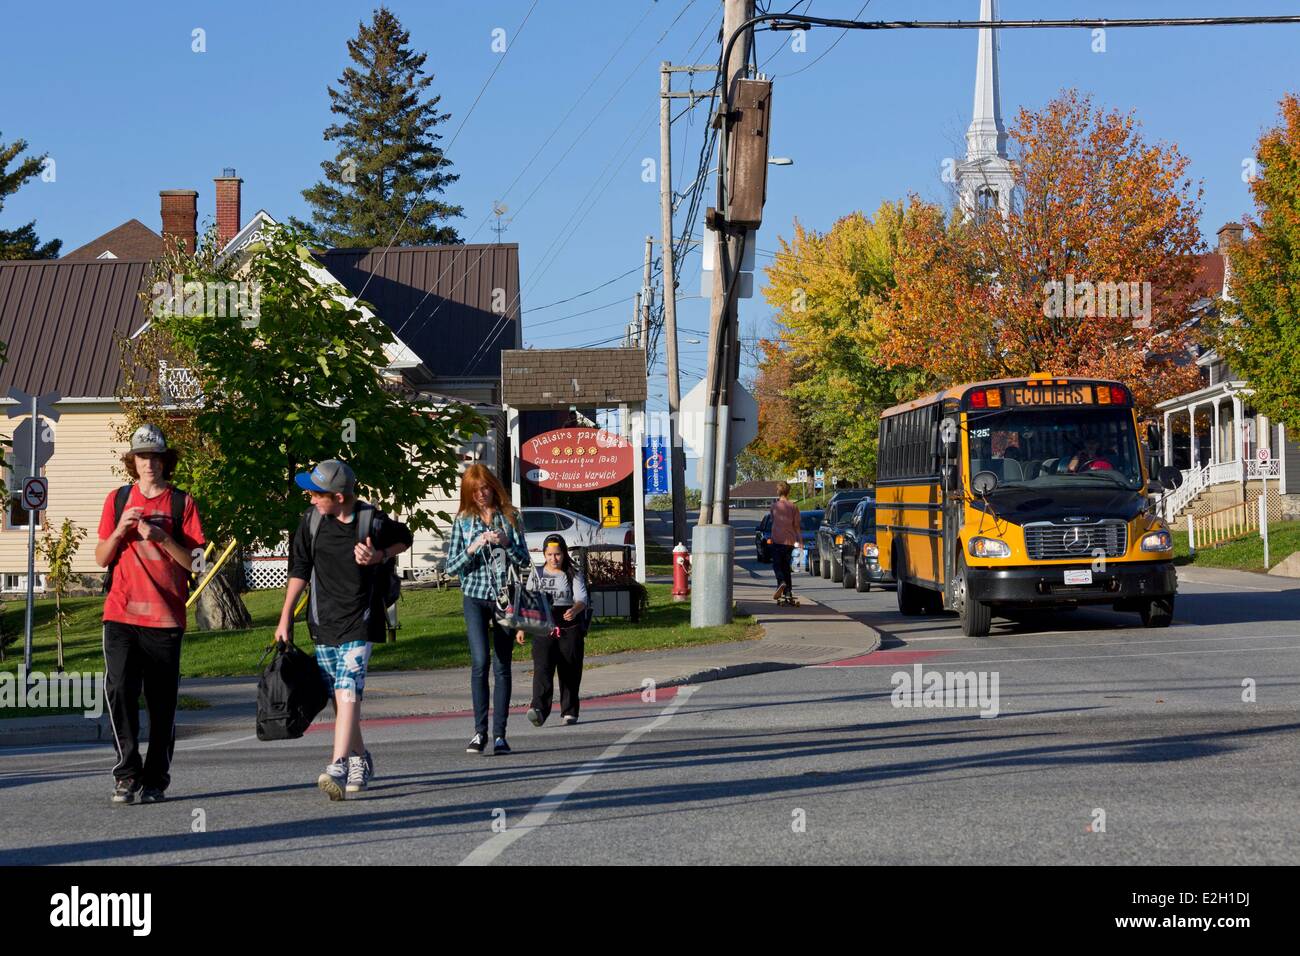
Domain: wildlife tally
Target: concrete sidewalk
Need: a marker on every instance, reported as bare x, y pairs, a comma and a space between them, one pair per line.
792, 637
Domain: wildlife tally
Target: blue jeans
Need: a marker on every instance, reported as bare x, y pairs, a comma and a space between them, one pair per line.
480, 622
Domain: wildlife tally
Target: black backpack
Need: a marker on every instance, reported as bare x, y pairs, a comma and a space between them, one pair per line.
178, 520
290, 693
385, 574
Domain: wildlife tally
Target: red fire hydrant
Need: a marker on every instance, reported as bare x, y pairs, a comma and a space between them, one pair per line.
681, 573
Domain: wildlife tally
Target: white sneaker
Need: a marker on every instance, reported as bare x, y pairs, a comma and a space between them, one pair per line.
334, 779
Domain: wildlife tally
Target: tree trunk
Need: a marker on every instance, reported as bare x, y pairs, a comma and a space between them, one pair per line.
220, 608
58, 626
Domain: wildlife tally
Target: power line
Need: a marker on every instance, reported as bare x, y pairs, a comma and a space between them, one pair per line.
581, 294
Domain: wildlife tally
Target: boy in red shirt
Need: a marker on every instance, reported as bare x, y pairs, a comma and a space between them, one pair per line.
150, 559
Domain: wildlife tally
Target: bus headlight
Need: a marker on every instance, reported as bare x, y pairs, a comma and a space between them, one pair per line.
870, 551
989, 548
1157, 541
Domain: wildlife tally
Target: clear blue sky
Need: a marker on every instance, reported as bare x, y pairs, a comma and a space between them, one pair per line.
115, 95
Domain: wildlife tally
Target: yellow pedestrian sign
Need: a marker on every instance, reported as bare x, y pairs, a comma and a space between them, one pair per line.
609, 513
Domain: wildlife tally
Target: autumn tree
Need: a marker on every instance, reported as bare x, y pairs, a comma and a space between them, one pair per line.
824, 381
1091, 273
1262, 334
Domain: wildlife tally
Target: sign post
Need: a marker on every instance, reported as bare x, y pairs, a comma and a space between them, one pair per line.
1263, 455
35, 492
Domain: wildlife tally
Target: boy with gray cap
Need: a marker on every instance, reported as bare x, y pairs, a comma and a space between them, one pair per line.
149, 540
340, 548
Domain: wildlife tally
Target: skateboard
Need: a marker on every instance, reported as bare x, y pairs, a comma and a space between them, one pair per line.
788, 600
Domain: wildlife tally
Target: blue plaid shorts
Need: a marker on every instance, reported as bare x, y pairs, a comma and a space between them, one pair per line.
344, 665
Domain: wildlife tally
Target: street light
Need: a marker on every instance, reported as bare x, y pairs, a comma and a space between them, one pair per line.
771, 161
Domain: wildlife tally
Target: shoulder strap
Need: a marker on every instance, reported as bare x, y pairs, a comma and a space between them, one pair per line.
178, 510
313, 525
119, 502
365, 517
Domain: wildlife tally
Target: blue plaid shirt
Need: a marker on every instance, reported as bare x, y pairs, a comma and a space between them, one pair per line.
477, 579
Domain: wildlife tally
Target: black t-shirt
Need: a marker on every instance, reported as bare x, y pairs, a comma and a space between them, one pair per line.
344, 604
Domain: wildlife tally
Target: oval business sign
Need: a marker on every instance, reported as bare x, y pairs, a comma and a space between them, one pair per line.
577, 459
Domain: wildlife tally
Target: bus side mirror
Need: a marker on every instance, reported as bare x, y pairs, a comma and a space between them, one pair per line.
1170, 476
1153, 437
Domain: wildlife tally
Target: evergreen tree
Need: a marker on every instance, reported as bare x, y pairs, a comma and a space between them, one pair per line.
21, 243
388, 161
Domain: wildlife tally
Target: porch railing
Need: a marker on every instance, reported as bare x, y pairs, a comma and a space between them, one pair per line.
1196, 480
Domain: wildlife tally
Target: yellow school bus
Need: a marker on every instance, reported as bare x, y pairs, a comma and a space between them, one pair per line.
1022, 493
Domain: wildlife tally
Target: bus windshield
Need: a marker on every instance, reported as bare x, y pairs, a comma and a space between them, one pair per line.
1055, 447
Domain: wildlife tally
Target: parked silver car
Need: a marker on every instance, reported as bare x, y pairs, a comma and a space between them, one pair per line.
577, 530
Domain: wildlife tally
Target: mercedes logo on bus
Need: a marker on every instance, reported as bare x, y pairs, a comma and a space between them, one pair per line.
1076, 540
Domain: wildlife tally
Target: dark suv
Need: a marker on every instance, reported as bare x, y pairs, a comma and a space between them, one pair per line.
830, 538
858, 556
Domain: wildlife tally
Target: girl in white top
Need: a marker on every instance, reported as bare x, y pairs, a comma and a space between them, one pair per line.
562, 649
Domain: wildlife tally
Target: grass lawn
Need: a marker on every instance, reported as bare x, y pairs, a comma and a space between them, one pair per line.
1242, 554
432, 635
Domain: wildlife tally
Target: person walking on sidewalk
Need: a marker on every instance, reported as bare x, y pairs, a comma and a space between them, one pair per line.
340, 547
486, 538
786, 536
562, 649
150, 539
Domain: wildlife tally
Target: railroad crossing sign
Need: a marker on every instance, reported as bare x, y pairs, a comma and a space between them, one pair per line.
36, 494
609, 513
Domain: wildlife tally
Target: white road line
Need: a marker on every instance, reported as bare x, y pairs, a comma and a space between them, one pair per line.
1093, 657
494, 846
1233, 587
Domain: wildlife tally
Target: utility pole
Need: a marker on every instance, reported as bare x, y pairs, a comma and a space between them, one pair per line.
647, 299
713, 545
677, 453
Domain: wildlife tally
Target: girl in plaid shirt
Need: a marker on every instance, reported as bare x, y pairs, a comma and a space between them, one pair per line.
486, 536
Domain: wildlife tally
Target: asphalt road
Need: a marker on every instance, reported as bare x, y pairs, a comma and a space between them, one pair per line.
801, 766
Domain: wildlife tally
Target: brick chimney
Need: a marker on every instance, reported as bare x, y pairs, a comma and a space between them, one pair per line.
180, 216
1229, 234
228, 217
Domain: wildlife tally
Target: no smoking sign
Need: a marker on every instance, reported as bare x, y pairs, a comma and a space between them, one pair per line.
36, 494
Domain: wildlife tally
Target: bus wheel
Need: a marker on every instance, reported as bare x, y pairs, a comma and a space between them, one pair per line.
910, 597
1158, 613
975, 615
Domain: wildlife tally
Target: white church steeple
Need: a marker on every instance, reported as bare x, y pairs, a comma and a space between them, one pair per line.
985, 179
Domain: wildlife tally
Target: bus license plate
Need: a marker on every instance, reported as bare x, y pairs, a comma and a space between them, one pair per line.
1078, 577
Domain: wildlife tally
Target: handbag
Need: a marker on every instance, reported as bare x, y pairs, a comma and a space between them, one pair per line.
290, 693
520, 608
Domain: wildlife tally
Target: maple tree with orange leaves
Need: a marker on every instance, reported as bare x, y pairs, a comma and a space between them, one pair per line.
1095, 206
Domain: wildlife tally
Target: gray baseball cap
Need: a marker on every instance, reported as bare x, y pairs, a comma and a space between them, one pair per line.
146, 439
329, 477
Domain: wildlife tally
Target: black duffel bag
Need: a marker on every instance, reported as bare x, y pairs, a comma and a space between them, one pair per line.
290, 693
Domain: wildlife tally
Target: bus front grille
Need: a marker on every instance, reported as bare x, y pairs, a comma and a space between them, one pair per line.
1084, 542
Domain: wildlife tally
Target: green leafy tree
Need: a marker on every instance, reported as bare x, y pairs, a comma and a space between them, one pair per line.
1261, 335
21, 243
388, 160
831, 294
58, 552
302, 382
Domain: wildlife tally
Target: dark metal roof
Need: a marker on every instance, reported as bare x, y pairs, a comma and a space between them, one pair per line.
131, 240
442, 301
59, 317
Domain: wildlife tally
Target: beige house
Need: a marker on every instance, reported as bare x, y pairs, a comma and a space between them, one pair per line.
457, 306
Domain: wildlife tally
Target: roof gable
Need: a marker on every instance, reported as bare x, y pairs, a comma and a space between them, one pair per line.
131, 240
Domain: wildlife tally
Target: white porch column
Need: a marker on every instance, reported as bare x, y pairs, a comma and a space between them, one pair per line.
1194, 446
1167, 444
638, 488
512, 426
1238, 410
1216, 444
